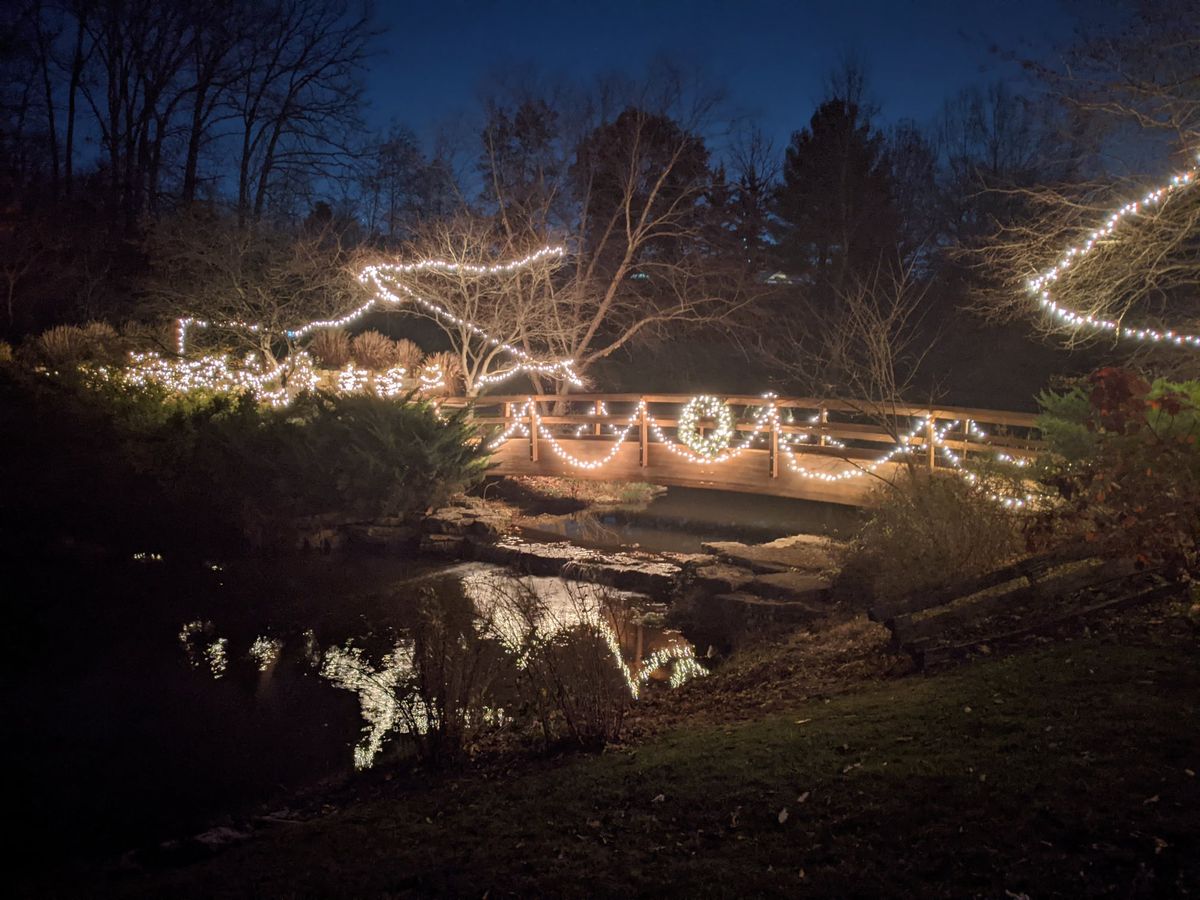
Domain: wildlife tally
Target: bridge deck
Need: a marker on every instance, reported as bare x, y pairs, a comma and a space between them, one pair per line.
749, 473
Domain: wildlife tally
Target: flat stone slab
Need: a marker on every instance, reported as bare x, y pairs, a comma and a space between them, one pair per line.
721, 578
808, 552
750, 608
793, 586
615, 569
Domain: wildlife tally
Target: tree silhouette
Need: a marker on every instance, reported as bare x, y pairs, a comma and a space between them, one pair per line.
835, 206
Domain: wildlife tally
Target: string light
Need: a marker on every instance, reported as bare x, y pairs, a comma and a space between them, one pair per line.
1040, 285
352, 380
768, 416
687, 430
383, 274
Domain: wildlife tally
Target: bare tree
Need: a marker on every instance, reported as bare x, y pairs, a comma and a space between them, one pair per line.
479, 313
296, 95
1144, 274
627, 190
207, 268
868, 349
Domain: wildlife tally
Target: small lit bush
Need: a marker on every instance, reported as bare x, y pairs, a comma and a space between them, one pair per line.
925, 530
373, 350
331, 347
450, 367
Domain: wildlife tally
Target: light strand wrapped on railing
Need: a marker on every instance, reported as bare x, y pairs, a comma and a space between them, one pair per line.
766, 418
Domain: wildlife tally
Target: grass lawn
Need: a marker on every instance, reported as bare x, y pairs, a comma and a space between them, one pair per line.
1061, 771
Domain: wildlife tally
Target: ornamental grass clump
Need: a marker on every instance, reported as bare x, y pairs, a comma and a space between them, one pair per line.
409, 355
331, 347
373, 350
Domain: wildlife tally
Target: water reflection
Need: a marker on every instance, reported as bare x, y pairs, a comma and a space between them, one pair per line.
465, 646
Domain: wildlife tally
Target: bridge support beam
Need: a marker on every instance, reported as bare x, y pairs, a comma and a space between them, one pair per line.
644, 435
774, 449
931, 442
533, 433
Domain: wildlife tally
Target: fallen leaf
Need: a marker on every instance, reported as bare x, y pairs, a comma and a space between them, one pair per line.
783, 815
803, 798
659, 799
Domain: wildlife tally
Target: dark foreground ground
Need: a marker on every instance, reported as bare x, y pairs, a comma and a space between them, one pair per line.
1066, 769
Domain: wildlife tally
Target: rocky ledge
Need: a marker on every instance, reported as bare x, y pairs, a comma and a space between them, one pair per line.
730, 585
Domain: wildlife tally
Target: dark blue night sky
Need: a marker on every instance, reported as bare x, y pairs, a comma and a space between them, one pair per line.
771, 55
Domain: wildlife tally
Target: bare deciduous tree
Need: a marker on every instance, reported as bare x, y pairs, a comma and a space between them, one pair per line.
508, 305
868, 349
208, 268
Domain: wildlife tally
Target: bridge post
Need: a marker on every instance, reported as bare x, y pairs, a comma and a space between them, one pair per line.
822, 421
774, 448
644, 435
931, 441
599, 406
533, 432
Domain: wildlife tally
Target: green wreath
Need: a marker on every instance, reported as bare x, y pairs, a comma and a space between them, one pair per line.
713, 444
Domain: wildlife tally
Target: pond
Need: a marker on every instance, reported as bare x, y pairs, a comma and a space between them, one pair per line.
681, 520
148, 697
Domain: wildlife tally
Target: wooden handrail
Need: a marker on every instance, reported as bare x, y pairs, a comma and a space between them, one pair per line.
986, 416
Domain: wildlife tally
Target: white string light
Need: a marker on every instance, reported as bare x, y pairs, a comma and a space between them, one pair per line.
767, 417
1040, 285
392, 272
376, 275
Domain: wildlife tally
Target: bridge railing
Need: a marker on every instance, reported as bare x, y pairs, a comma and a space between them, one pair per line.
934, 437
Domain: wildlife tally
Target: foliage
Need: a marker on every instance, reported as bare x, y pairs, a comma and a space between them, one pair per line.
458, 677
1127, 468
570, 681
331, 347
922, 529
835, 205
373, 350
409, 355
135, 468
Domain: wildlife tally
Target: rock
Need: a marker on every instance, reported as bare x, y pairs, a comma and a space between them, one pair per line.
442, 545
625, 571
323, 539
643, 577
794, 586
690, 560
382, 537
750, 609
468, 515
721, 578
808, 552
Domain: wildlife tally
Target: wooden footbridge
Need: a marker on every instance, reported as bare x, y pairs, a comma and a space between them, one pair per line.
832, 451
